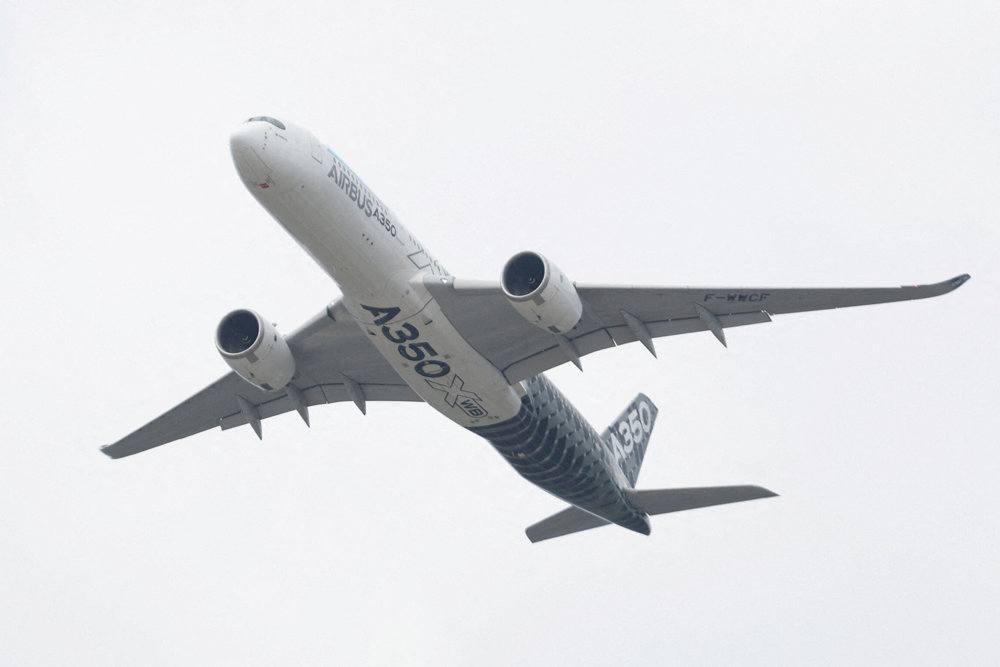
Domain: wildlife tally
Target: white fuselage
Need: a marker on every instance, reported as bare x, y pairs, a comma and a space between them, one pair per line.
378, 265
380, 268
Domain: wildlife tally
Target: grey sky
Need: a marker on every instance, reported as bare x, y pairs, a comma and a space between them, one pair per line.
772, 144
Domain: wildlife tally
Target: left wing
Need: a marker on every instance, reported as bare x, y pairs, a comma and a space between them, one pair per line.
618, 315
333, 362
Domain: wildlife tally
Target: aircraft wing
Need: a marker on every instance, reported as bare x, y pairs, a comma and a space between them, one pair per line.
334, 362
618, 315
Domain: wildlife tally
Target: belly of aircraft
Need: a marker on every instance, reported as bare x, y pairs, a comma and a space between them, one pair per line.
436, 361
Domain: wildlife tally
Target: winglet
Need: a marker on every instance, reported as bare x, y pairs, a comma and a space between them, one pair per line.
943, 287
958, 281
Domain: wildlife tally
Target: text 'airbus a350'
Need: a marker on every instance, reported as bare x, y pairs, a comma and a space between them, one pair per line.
406, 330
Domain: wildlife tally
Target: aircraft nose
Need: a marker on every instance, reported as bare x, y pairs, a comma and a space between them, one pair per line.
255, 132
248, 136
247, 144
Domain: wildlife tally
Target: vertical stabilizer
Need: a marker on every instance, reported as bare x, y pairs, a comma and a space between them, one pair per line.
628, 435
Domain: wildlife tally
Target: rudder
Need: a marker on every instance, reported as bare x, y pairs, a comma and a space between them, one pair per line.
628, 435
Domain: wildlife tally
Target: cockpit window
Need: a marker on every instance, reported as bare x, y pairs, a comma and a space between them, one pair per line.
267, 119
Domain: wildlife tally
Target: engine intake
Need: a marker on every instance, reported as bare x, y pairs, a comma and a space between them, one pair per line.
541, 292
255, 350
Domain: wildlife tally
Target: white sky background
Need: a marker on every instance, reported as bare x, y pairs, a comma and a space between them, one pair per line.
770, 144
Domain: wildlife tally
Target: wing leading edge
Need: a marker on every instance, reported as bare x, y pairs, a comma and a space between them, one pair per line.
334, 362
618, 315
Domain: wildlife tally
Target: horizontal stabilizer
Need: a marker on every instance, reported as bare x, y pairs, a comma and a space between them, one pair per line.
570, 520
663, 501
653, 501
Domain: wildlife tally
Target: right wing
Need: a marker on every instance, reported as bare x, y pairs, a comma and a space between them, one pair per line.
615, 315
333, 362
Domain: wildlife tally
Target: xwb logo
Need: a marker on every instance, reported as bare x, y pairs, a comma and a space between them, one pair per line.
456, 395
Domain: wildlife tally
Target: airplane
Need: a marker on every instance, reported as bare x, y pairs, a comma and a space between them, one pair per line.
405, 329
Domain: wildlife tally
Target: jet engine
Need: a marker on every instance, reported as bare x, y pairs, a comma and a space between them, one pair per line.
255, 350
541, 292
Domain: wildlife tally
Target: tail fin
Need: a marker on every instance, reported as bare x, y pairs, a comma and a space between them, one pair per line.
658, 501
628, 435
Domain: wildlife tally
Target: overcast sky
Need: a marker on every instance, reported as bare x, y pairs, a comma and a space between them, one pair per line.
765, 144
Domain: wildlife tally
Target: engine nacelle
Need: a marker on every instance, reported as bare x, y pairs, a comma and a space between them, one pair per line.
541, 292
255, 350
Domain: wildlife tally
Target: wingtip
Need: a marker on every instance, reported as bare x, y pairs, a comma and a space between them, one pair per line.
766, 493
107, 451
955, 283
945, 286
